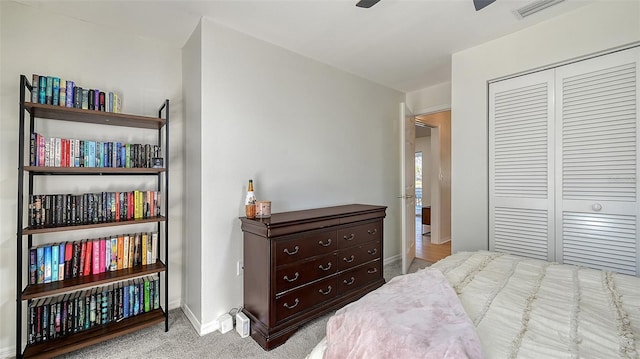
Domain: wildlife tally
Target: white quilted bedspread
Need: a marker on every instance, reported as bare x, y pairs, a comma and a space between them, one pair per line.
526, 308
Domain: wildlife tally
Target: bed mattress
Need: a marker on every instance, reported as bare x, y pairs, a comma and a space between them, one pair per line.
527, 308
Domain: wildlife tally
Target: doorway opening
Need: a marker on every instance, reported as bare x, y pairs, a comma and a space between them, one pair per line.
433, 186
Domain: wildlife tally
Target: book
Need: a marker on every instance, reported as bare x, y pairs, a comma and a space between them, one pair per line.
45, 318
68, 258
125, 251
35, 82
95, 262
31, 321
156, 293
102, 102
126, 300
147, 298
154, 247
120, 260
75, 263
41, 150
55, 255
96, 99
70, 96
77, 96
117, 103
136, 296
33, 266
92, 307
42, 90
49, 90
131, 250
107, 254
83, 257
102, 253
85, 99
61, 260
47, 264
90, 99
143, 241
91, 154
88, 258
62, 97
114, 253
55, 92
57, 152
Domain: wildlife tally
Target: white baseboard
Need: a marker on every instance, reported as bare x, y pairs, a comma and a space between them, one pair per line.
442, 240
390, 260
8, 352
202, 329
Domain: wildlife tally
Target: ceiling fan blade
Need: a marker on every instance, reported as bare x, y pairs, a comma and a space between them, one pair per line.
481, 4
367, 3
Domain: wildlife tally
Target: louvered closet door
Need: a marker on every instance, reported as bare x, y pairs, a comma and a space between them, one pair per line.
597, 162
521, 200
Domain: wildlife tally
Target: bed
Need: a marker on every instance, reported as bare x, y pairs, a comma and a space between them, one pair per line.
516, 307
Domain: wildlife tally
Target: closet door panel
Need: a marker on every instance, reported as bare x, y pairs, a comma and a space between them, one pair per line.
597, 162
521, 157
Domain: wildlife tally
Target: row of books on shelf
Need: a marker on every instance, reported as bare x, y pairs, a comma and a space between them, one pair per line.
53, 210
59, 261
52, 90
53, 317
63, 152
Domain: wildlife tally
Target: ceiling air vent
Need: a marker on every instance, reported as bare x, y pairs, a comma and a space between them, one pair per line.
535, 7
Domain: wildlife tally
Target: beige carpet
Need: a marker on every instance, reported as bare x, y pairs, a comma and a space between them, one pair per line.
183, 342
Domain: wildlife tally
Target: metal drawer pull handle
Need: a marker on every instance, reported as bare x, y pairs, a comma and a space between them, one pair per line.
292, 279
372, 251
295, 250
325, 244
350, 259
372, 231
372, 270
327, 292
349, 282
352, 236
295, 304
323, 268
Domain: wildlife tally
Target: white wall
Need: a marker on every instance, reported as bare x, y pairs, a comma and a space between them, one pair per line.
307, 134
34, 41
589, 29
430, 99
192, 90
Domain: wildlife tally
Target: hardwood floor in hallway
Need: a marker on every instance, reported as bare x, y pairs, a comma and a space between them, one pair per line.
426, 250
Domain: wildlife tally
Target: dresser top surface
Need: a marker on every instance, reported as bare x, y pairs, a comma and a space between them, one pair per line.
315, 214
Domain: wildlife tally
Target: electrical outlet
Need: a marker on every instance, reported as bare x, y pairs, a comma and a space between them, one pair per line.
239, 268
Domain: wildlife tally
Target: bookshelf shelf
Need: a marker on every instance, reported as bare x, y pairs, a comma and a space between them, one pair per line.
49, 298
53, 288
94, 335
94, 117
41, 230
92, 171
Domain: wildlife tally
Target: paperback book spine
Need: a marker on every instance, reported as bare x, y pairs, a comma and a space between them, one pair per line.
62, 98
35, 92
70, 96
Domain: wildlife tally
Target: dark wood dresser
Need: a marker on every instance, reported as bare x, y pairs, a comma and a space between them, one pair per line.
303, 264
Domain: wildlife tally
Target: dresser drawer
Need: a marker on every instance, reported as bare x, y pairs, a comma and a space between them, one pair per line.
354, 256
293, 250
351, 236
291, 276
360, 276
304, 298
